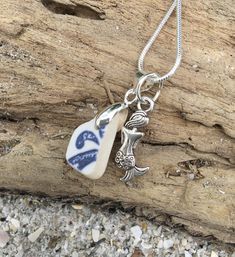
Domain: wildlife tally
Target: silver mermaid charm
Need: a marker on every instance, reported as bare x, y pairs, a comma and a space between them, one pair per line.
125, 158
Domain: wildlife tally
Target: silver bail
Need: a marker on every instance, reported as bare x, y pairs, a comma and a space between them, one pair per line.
108, 114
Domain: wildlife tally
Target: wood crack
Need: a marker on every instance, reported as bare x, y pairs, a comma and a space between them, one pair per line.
187, 145
74, 9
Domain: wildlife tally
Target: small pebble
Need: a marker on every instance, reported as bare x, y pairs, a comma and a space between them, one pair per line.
35, 235
95, 235
158, 231
77, 206
187, 254
184, 242
214, 254
15, 224
137, 253
136, 232
168, 243
160, 244
146, 248
4, 238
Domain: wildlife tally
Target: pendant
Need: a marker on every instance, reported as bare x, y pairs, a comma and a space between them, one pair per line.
91, 143
125, 158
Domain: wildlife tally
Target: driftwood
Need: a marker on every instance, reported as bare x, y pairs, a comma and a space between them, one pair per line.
61, 59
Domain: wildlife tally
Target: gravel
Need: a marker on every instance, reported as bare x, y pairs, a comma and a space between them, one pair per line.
40, 227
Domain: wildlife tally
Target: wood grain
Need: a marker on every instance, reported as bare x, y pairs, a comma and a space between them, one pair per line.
59, 57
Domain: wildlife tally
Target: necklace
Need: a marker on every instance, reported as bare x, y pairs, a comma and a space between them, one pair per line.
91, 143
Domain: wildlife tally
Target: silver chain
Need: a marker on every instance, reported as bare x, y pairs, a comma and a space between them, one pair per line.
136, 93
154, 77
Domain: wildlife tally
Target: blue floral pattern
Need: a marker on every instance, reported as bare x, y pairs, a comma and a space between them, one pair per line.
82, 159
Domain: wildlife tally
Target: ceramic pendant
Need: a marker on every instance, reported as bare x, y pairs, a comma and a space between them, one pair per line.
91, 143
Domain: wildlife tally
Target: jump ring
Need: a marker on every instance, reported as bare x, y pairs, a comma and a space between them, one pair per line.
130, 92
141, 82
146, 101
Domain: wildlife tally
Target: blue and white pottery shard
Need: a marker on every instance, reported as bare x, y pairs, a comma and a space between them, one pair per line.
91, 143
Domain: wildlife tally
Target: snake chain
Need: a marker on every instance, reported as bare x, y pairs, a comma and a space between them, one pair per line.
177, 4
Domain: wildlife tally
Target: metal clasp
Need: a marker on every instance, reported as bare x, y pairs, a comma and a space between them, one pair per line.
147, 79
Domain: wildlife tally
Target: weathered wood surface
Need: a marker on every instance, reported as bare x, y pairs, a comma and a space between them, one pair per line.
53, 72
